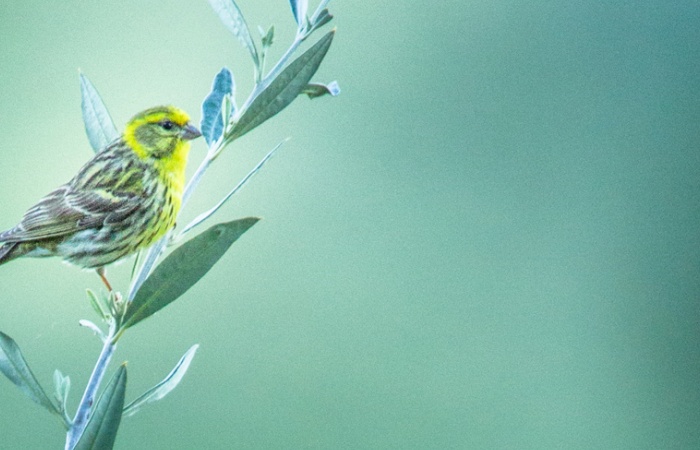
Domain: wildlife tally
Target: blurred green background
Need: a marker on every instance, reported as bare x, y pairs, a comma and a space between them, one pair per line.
489, 240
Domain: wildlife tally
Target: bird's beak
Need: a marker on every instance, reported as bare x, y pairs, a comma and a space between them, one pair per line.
190, 132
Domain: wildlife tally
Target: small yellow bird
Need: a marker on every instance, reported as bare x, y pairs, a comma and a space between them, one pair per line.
123, 199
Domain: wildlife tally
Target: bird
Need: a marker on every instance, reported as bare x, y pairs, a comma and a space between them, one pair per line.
125, 198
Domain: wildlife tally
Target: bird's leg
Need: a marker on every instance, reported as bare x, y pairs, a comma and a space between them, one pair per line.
102, 272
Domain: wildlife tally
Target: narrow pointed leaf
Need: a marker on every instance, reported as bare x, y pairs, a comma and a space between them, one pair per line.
320, 8
101, 430
98, 304
61, 387
323, 18
268, 38
163, 388
299, 11
95, 303
212, 116
94, 328
205, 215
233, 20
314, 90
183, 268
284, 88
14, 366
99, 126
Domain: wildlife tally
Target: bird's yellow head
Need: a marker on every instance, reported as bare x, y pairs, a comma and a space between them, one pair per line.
161, 136
161, 133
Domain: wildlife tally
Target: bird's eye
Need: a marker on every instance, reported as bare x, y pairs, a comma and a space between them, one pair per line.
167, 125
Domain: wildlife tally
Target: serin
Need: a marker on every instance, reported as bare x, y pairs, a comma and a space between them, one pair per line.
123, 199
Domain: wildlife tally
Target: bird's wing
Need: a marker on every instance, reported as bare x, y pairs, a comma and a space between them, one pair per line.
66, 210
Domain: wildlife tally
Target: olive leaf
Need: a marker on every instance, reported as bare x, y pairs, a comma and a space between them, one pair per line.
299, 10
212, 125
232, 18
183, 268
101, 430
284, 88
163, 388
205, 215
99, 126
15, 367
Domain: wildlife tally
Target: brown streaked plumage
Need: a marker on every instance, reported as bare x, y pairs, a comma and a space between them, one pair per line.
123, 199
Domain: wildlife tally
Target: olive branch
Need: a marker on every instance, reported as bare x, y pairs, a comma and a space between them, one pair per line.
155, 285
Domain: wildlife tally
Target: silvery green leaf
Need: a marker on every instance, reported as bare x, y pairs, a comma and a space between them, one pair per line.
205, 215
232, 18
318, 15
101, 430
61, 386
163, 388
228, 108
181, 269
97, 304
95, 329
212, 125
284, 88
99, 126
268, 37
323, 18
299, 10
14, 366
314, 90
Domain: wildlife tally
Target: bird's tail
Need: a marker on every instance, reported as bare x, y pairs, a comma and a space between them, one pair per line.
6, 252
